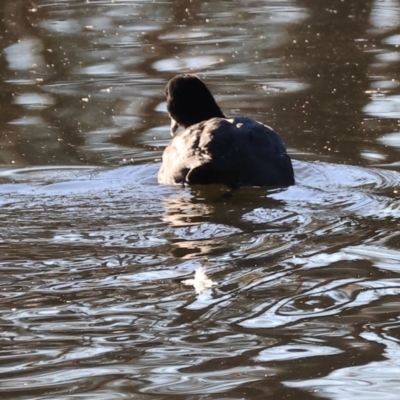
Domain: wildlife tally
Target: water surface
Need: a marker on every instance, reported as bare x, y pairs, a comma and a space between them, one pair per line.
93, 250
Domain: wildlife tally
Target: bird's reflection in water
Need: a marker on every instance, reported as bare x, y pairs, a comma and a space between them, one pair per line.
206, 220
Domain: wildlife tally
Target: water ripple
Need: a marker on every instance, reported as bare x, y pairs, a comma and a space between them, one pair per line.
94, 263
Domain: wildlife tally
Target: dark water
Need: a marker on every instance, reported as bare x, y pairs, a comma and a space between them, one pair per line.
93, 252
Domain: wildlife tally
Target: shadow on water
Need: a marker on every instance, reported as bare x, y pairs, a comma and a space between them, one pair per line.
93, 253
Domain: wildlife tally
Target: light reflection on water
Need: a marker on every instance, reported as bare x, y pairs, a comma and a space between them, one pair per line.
94, 259
93, 253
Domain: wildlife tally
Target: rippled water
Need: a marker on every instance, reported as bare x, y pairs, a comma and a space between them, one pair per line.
94, 251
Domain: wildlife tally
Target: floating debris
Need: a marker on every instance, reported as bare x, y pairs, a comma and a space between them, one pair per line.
201, 281
124, 161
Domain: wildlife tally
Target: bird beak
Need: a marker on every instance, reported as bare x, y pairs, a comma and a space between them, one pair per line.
174, 126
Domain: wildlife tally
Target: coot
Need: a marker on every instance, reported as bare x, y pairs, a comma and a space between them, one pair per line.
214, 149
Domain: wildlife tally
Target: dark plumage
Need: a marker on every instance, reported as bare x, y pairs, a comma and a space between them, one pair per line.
214, 149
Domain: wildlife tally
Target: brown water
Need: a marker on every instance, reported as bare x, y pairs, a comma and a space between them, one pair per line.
93, 252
